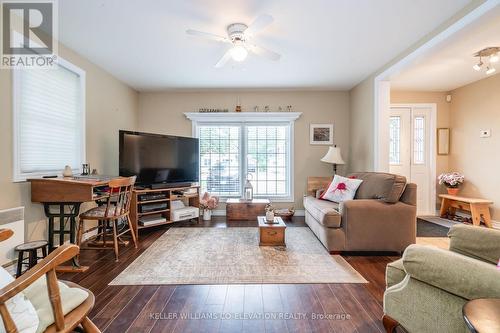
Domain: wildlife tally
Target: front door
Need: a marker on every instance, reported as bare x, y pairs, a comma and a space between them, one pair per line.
410, 151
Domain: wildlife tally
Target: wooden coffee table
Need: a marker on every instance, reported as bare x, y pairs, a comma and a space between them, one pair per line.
271, 234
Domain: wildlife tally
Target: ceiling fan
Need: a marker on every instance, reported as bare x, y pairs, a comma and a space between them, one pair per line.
240, 35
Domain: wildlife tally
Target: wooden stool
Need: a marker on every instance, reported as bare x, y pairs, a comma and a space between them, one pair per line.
32, 259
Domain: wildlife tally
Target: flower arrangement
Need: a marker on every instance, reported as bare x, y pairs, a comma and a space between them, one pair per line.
451, 179
208, 203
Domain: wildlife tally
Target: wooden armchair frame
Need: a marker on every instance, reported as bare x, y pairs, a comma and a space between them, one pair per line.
48, 267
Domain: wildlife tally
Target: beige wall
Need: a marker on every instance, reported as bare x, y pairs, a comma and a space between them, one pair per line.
473, 108
362, 99
162, 112
110, 106
443, 119
361, 147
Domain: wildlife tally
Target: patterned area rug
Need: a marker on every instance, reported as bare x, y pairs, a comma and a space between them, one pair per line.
232, 255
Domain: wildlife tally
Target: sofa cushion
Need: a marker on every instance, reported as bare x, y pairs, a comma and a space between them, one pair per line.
325, 212
341, 189
378, 185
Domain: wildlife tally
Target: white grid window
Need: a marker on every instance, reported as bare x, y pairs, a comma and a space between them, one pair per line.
395, 140
418, 140
220, 160
49, 120
267, 159
230, 152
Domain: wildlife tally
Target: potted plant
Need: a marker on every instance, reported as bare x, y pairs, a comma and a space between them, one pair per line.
452, 181
208, 203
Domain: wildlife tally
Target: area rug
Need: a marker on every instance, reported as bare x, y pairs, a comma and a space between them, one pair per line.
233, 256
432, 227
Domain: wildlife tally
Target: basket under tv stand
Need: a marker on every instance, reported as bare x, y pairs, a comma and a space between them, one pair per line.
162, 198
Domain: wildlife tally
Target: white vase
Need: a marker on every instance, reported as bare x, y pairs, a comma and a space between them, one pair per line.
207, 215
270, 216
67, 171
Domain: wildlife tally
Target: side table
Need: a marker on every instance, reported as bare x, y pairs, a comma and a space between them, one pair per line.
482, 315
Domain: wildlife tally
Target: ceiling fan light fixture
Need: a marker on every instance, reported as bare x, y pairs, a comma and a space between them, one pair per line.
239, 53
494, 57
477, 67
490, 70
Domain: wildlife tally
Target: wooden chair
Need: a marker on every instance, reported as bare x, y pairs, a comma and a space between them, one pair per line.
62, 323
115, 208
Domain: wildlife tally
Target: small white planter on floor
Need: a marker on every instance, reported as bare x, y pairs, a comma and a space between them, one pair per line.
207, 215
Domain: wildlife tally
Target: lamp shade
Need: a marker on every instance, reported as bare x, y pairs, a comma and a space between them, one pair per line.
333, 156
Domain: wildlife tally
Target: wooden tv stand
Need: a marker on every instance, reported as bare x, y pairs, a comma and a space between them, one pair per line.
192, 199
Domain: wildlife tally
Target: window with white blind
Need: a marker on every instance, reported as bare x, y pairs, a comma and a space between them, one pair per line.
49, 120
231, 153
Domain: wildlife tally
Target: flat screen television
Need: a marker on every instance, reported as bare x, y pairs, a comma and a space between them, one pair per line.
158, 160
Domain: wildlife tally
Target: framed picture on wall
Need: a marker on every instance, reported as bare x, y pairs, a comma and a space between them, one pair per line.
321, 134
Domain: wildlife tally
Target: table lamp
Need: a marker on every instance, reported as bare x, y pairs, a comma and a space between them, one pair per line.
334, 157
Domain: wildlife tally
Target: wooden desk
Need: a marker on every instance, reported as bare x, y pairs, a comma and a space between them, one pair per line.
61, 199
479, 208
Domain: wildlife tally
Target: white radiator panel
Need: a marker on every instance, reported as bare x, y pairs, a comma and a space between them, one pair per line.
11, 219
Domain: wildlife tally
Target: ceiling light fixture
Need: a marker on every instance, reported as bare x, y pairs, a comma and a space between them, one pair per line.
491, 55
239, 53
477, 67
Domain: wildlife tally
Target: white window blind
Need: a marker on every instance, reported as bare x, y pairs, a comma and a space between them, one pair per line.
267, 156
220, 159
231, 152
49, 120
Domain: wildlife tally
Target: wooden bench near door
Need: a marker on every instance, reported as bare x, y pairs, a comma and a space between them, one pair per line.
479, 208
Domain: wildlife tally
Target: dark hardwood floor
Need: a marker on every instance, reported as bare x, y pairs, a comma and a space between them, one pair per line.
231, 308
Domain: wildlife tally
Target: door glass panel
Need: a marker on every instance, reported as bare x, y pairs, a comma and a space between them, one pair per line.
418, 140
395, 140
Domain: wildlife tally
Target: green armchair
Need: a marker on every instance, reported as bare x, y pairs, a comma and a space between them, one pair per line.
427, 287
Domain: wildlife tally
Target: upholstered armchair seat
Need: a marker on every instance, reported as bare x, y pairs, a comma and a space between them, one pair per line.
428, 287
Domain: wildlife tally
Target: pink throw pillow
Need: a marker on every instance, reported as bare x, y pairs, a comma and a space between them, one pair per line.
341, 189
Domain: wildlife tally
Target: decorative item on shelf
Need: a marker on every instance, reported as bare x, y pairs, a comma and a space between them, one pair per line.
334, 157
238, 105
321, 134
208, 203
67, 171
256, 109
269, 213
94, 172
248, 189
285, 213
289, 108
210, 110
85, 169
266, 108
280, 109
452, 181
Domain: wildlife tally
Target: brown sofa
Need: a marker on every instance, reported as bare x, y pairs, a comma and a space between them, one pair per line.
382, 216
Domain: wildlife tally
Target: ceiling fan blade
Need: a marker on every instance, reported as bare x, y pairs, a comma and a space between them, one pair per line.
222, 61
261, 51
258, 24
207, 35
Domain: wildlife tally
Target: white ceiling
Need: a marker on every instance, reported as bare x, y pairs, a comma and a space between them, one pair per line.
449, 65
324, 44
